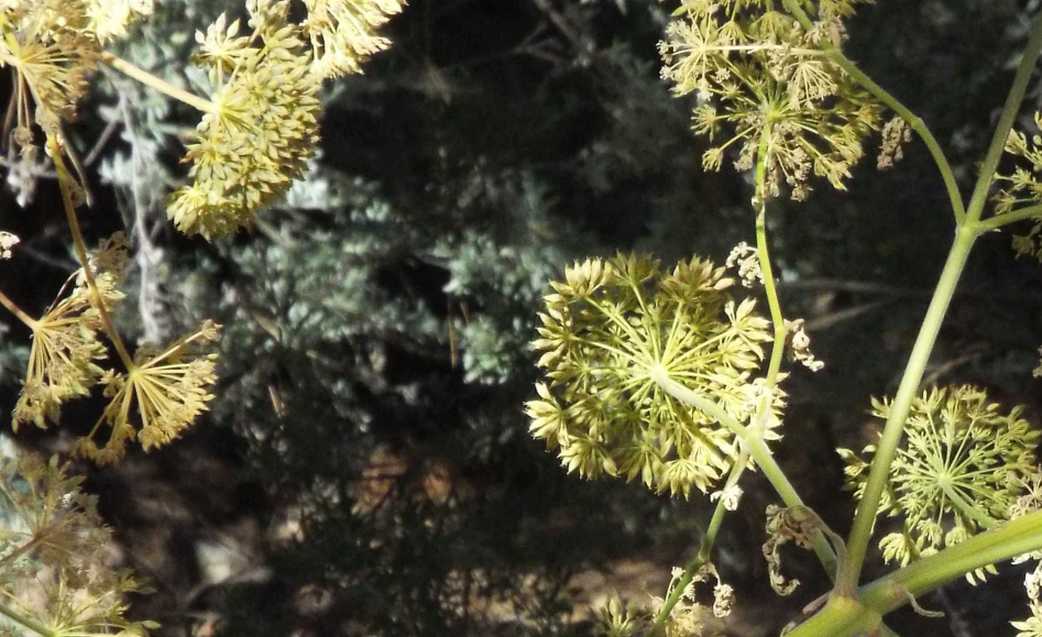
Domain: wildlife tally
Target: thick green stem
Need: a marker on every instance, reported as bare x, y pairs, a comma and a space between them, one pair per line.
998, 221
27, 622
842, 617
966, 235
864, 520
757, 449
835, 54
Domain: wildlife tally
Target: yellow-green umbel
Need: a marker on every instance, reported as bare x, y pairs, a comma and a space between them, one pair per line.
262, 126
1022, 188
66, 348
343, 33
610, 328
761, 76
960, 469
158, 398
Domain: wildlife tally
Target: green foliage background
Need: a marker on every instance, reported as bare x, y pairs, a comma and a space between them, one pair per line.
376, 324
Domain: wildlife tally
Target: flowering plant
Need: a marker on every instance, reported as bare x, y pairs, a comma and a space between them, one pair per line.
258, 128
667, 377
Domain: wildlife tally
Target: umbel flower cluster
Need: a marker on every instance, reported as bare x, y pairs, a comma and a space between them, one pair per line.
763, 79
53, 46
158, 397
262, 124
256, 135
161, 392
963, 464
1023, 188
57, 570
607, 330
66, 347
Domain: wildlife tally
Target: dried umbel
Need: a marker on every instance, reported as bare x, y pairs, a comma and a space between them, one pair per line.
262, 127
689, 616
66, 349
52, 46
57, 568
762, 79
158, 398
608, 330
962, 466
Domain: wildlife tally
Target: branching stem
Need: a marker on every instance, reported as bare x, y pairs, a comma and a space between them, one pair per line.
157, 83
966, 234
64, 179
835, 54
705, 549
999, 221
758, 450
843, 617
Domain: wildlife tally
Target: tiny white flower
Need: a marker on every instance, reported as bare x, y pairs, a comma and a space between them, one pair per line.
729, 495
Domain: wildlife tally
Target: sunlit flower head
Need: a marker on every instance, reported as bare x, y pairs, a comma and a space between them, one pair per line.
608, 330
261, 130
344, 33
158, 398
66, 348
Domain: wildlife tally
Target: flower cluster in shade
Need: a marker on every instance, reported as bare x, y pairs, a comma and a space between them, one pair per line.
961, 467
153, 401
52, 47
1023, 188
760, 77
56, 553
608, 329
